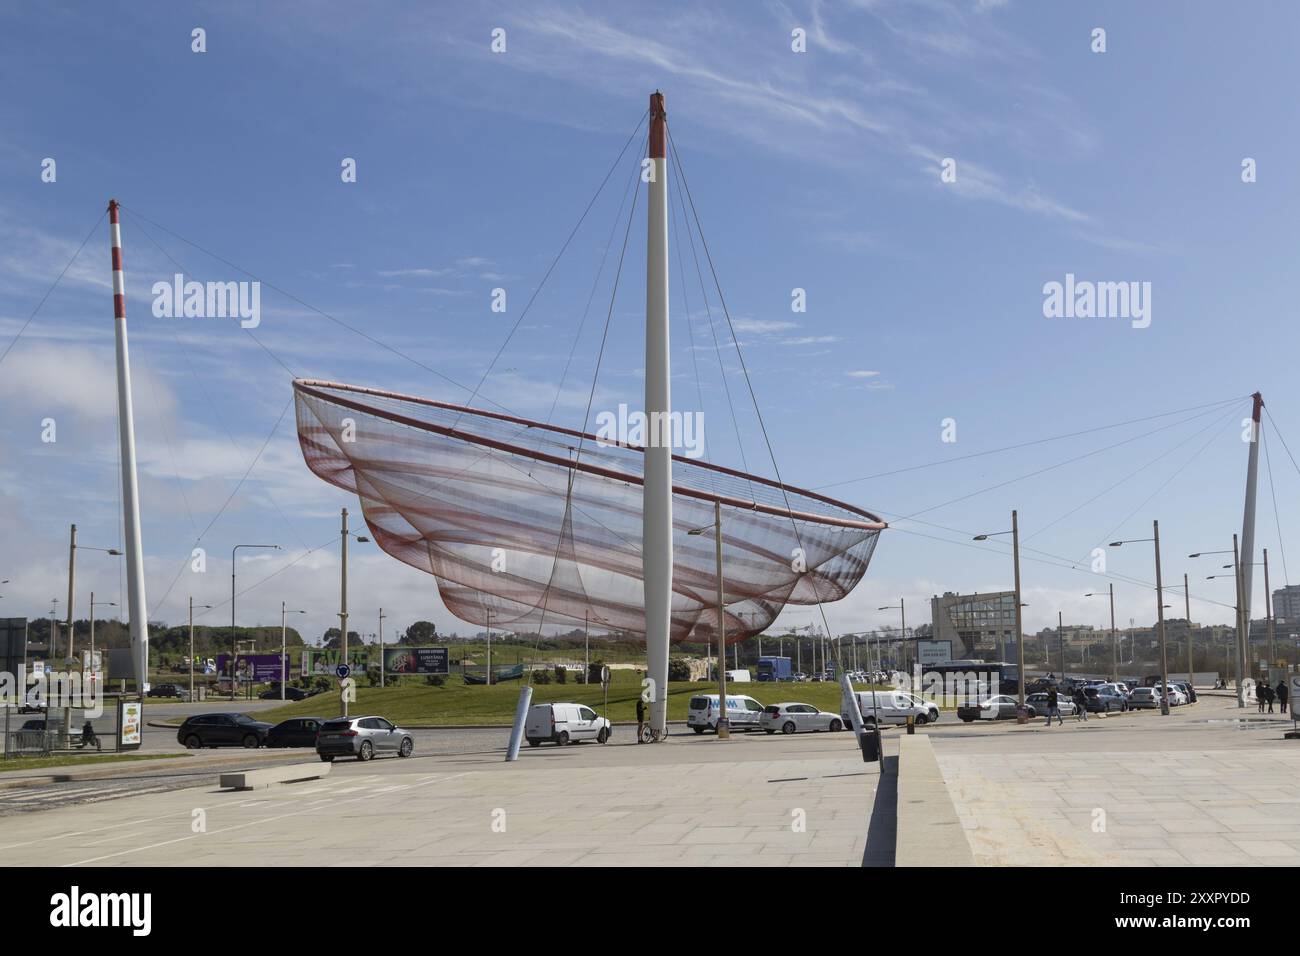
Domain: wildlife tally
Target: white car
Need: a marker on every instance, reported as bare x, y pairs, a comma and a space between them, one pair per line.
891, 706
564, 724
1176, 697
929, 705
702, 712
791, 718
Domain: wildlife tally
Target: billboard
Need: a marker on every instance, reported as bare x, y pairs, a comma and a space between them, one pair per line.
324, 661
13, 643
259, 668
416, 660
933, 652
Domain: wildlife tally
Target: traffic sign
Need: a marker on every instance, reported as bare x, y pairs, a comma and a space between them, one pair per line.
604, 678
342, 671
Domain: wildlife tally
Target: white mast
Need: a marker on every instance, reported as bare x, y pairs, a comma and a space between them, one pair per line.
657, 492
1248, 533
138, 614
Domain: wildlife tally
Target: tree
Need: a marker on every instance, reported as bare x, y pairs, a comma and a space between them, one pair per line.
421, 632
333, 638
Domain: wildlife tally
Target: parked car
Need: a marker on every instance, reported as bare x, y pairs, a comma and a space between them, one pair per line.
997, 707
1188, 690
1037, 704
1176, 697
564, 724
295, 732
1143, 698
931, 707
702, 712
168, 690
1112, 697
290, 693
790, 718
891, 706
222, 730
29, 726
363, 738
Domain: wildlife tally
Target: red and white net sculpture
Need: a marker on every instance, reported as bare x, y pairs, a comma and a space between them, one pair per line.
515, 523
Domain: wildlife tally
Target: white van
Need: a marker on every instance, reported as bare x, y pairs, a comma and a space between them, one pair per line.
738, 677
891, 706
702, 712
564, 724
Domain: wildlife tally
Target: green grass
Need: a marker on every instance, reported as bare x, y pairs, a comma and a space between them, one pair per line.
459, 703
72, 760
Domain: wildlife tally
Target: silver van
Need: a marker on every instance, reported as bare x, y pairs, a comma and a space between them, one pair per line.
703, 711
890, 706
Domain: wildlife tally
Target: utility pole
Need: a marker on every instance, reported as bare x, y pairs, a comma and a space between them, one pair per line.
1187, 604
1268, 613
381, 647
343, 609
1160, 622
72, 575
1242, 632
1114, 642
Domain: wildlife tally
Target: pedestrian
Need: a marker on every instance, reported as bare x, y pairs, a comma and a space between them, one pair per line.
1080, 705
1053, 707
1268, 697
640, 717
1259, 696
1282, 693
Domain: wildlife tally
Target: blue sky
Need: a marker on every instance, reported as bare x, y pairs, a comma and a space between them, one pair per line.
818, 171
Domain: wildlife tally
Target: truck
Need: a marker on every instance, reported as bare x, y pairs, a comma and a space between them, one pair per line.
774, 669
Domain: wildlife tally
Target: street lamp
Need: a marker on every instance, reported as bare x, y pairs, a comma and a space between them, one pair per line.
203, 606
901, 608
233, 645
1114, 643
1160, 613
344, 534
284, 657
73, 548
93, 602
1020, 642
1241, 643
724, 726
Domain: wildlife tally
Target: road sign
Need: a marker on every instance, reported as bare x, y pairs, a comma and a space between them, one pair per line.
604, 678
342, 671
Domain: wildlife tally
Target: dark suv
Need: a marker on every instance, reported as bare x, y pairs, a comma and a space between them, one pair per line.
222, 730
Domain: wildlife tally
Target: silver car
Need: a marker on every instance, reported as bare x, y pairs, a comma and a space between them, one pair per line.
363, 738
792, 717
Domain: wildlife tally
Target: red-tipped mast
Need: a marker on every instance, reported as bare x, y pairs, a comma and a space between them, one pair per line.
658, 126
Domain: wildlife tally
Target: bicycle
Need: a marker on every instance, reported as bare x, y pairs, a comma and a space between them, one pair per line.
652, 735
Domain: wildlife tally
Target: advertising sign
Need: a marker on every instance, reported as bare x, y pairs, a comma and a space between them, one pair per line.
259, 668
416, 660
933, 652
325, 662
130, 718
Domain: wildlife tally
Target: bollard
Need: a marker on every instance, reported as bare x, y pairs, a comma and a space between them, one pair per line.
911, 724
521, 715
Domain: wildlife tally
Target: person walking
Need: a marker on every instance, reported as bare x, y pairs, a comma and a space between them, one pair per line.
1283, 692
1053, 707
1080, 705
1259, 696
1268, 697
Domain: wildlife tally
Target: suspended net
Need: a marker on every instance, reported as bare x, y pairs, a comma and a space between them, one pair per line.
525, 525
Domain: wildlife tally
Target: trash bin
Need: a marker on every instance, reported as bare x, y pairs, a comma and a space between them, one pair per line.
869, 741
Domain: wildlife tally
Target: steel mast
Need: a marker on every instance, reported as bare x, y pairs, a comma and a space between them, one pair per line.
657, 490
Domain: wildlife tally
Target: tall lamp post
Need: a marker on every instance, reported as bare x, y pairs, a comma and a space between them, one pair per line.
208, 607
73, 548
284, 655
724, 726
1114, 644
382, 615
344, 534
1020, 643
1236, 575
901, 608
1160, 614
93, 602
234, 646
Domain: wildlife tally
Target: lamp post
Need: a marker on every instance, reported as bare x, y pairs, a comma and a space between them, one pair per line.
234, 646
344, 534
382, 615
1160, 614
1236, 575
284, 656
73, 547
1114, 643
1020, 643
724, 727
93, 602
901, 608
209, 607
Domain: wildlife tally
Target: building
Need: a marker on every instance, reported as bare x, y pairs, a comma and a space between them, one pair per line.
978, 625
1286, 606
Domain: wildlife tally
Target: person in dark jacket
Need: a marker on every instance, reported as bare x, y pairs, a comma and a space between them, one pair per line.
1283, 692
1053, 707
1080, 705
1268, 697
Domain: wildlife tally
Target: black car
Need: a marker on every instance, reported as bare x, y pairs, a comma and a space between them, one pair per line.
290, 693
167, 690
222, 730
295, 732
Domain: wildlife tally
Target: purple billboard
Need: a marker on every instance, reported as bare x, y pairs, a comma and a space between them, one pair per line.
258, 668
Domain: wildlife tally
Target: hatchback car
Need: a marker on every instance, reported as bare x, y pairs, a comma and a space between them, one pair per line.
1143, 698
222, 730
1037, 704
999, 707
363, 738
295, 732
792, 718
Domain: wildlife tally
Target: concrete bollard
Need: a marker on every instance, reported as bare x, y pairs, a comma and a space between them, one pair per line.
521, 715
